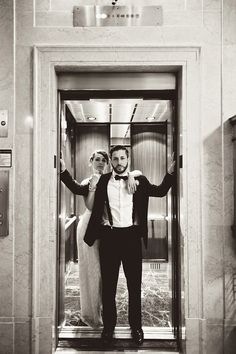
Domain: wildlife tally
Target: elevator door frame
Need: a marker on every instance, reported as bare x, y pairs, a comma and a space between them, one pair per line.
170, 95
48, 61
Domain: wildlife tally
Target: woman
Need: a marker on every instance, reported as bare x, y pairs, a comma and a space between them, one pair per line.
88, 257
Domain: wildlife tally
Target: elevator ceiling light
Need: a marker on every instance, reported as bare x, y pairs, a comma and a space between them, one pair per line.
91, 118
102, 16
150, 118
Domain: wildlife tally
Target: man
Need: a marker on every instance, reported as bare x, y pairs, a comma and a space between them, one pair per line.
119, 219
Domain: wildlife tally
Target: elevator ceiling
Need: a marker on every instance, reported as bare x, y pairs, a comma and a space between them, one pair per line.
120, 110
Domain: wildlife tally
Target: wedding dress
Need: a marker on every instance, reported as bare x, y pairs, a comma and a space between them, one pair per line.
89, 275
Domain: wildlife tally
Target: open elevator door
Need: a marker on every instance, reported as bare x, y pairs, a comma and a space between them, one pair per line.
168, 95
61, 220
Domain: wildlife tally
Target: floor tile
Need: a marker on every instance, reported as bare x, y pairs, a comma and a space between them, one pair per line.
156, 297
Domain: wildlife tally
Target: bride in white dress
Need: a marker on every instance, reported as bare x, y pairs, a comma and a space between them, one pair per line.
88, 257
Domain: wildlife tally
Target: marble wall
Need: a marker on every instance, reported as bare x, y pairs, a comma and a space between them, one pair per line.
209, 304
228, 110
7, 243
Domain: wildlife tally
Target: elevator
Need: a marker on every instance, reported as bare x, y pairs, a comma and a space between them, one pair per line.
138, 110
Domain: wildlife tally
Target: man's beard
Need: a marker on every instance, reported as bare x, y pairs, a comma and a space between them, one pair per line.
119, 172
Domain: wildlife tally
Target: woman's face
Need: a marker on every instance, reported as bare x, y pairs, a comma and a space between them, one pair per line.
99, 163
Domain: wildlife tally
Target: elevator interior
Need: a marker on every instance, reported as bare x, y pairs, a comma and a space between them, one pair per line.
145, 121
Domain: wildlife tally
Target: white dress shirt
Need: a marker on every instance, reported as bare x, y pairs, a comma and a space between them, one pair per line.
120, 201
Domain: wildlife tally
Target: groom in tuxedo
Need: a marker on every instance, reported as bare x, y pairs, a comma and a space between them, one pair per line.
119, 220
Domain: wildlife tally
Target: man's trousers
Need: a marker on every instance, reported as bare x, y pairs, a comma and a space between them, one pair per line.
121, 245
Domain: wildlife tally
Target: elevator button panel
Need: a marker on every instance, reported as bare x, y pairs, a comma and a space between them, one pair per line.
4, 203
3, 123
5, 158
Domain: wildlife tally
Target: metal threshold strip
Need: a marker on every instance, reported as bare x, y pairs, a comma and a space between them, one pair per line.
86, 339
110, 351
157, 333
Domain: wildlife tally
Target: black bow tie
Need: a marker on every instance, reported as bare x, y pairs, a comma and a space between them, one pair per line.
118, 177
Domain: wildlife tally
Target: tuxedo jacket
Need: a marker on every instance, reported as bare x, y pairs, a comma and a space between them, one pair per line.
73, 185
140, 205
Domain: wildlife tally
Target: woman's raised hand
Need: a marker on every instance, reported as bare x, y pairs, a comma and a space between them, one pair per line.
62, 165
93, 182
132, 184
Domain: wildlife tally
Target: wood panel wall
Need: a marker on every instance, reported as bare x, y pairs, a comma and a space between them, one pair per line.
149, 154
88, 138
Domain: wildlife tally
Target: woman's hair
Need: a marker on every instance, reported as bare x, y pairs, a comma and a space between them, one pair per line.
101, 152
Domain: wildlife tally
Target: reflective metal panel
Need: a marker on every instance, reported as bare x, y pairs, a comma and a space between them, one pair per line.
4, 203
97, 16
117, 81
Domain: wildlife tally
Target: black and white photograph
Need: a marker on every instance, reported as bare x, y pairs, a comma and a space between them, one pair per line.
118, 176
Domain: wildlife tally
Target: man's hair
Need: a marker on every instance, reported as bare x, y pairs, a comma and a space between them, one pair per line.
119, 147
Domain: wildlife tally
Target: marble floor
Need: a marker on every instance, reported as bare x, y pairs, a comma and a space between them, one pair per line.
156, 297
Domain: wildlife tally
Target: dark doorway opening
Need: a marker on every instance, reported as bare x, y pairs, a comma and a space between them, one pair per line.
154, 135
